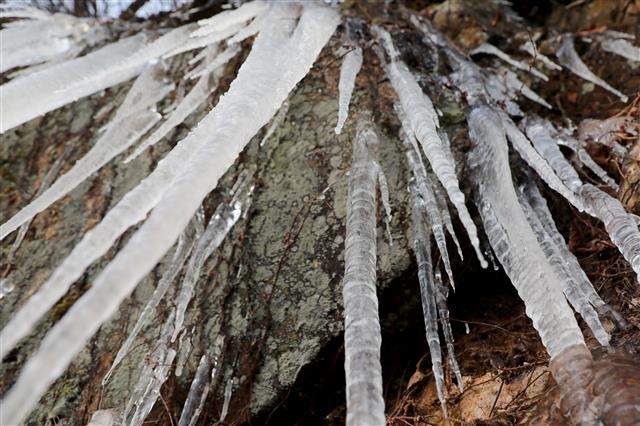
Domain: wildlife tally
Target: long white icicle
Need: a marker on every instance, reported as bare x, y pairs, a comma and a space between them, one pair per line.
350, 67
362, 338
276, 64
25, 98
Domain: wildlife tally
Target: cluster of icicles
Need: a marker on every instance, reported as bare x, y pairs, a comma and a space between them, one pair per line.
288, 38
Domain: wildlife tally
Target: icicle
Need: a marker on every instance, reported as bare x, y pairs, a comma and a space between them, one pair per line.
443, 313
527, 152
559, 261
569, 59
423, 122
513, 83
538, 132
512, 239
492, 50
348, 71
36, 94
249, 31
223, 219
196, 96
586, 160
183, 248
198, 392
200, 42
155, 371
421, 243
431, 192
443, 208
228, 388
277, 62
539, 204
230, 18
133, 119
427, 201
365, 404
384, 197
46, 182
620, 226
46, 38
275, 122
618, 44
531, 49
221, 60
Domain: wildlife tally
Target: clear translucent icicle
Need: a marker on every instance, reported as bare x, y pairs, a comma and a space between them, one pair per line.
515, 85
44, 184
422, 250
443, 313
133, 119
620, 225
585, 159
423, 122
443, 208
538, 132
438, 214
196, 96
490, 49
198, 392
219, 61
568, 58
618, 44
275, 122
228, 390
200, 42
529, 47
384, 197
513, 240
223, 219
559, 261
250, 30
539, 205
426, 200
351, 64
230, 18
362, 338
183, 248
267, 77
154, 372
533, 158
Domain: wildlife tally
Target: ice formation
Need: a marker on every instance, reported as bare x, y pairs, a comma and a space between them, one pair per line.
350, 66
568, 57
512, 238
492, 50
288, 38
362, 339
423, 122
